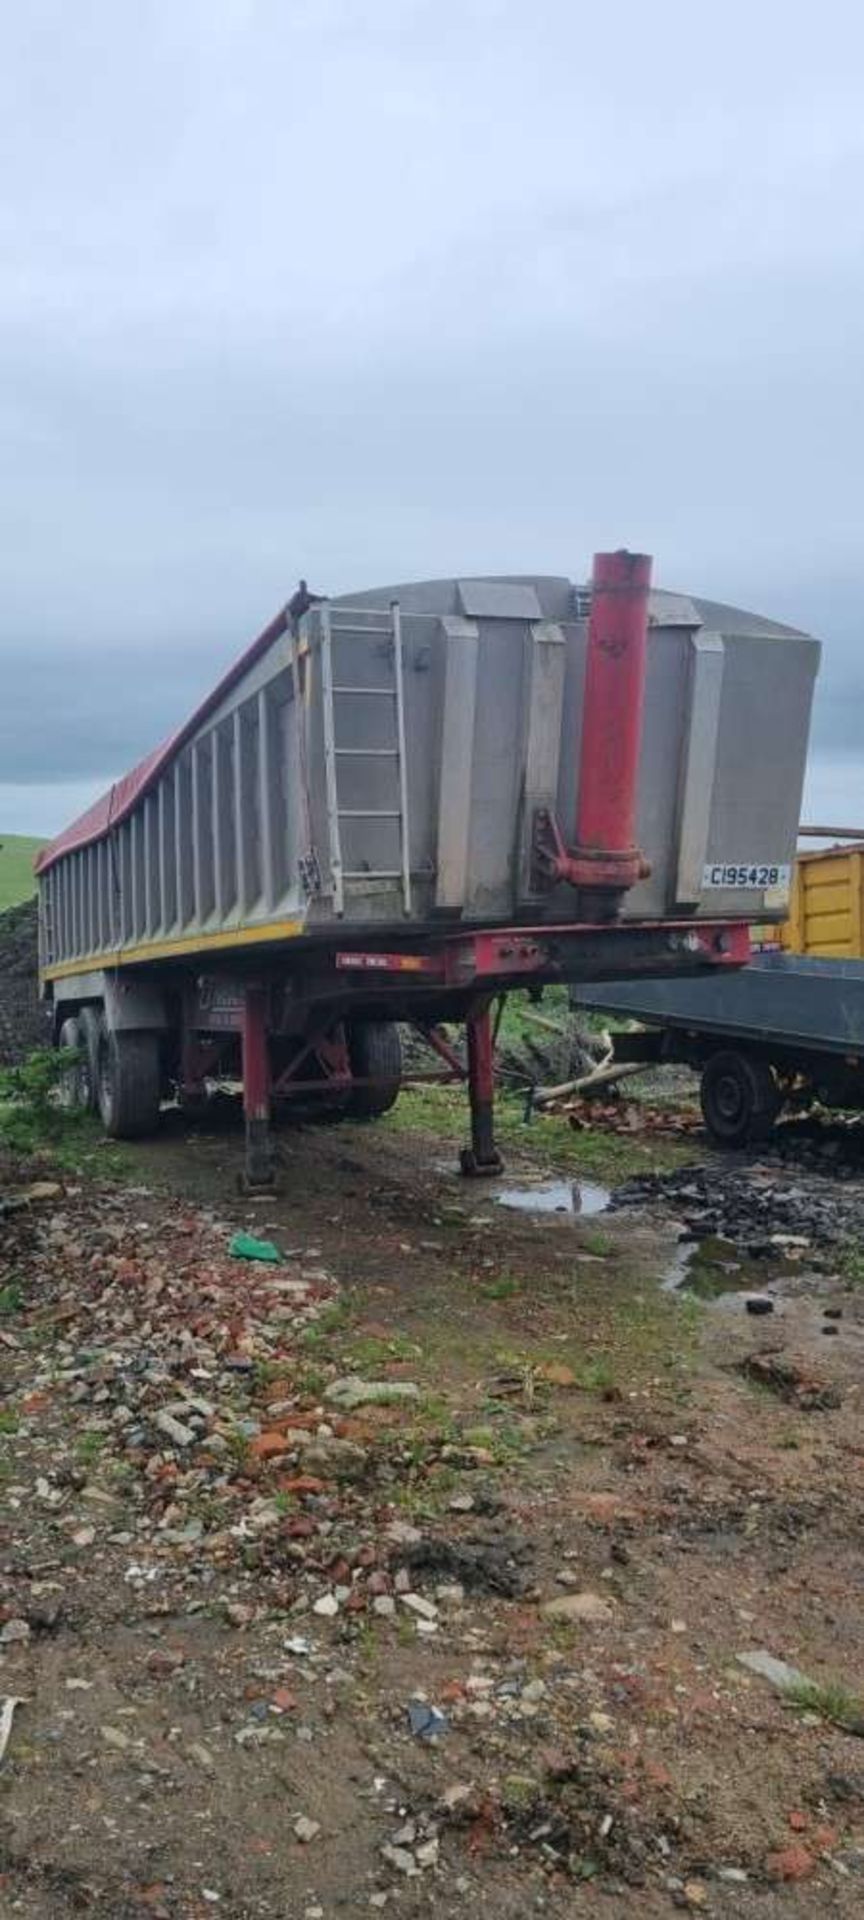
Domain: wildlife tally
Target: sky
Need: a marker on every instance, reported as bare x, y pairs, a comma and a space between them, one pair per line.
374, 289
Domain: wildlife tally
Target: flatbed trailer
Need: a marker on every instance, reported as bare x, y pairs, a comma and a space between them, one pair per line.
777, 1034
399, 805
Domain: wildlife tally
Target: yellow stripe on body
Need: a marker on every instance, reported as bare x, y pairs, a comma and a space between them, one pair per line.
253, 936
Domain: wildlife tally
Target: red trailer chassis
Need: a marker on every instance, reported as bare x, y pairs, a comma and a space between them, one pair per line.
458, 978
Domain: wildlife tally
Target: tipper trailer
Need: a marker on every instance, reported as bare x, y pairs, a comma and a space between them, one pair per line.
399, 804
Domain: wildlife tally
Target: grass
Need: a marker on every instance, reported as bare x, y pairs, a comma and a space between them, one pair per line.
852, 1266
333, 1319
31, 1121
81, 1147
601, 1245
268, 1372
368, 1352
238, 1447
606, 1157
17, 879
310, 1381
831, 1699
11, 1299
597, 1375
73, 1143
504, 1288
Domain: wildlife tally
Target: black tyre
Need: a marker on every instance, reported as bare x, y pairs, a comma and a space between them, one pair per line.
90, 1027
73, 1086
194, 1103
375, 1052
324, 1108
129, 1083
740, 1098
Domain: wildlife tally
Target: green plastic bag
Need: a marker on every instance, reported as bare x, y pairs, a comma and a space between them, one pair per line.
244, 1246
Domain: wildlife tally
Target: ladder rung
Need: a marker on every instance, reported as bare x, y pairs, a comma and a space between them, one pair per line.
369, 813
366, 753
389, 693
375, 873
356, 626
371, 613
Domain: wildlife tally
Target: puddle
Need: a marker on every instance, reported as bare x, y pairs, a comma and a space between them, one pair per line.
715, 1270
708, 1281
558, 1196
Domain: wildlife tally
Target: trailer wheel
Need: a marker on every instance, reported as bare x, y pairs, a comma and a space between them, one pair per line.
740, 1098
74, 1085
129, 1083
375, 1052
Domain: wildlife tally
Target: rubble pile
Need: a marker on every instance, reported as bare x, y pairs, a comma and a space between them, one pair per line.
586, 1112
183, 1368
757, 1207
177, 1402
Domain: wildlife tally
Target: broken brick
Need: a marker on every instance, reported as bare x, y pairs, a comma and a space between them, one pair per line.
790, 1863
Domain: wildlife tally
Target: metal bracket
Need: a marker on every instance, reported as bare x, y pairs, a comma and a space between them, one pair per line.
309, 868
548, 851
591, 872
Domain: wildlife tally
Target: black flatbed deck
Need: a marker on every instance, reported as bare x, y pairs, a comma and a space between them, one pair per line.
790, 1000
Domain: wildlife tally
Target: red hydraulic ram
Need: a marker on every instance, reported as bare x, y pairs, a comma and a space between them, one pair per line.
605, 860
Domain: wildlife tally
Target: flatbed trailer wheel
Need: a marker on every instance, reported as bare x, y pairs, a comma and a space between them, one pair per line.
129, 1083
375, 1052
73, 1087
740, 1098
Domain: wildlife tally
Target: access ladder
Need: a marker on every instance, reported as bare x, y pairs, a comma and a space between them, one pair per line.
386, 622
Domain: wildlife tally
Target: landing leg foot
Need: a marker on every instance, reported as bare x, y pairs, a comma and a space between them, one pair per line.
474, 1169
259, 1170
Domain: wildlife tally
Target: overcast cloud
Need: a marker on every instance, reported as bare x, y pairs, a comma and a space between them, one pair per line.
364, 289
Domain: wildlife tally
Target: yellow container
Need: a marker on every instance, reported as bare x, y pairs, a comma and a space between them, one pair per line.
826, 911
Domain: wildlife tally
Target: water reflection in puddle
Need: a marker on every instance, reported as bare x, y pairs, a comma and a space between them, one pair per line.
699, 1269
687, 1275
558, 1196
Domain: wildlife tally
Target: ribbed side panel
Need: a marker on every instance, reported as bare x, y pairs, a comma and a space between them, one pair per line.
210, 845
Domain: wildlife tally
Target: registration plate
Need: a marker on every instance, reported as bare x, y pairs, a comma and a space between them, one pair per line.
754, 875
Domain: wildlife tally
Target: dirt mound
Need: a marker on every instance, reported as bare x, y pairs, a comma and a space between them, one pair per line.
23, 1023
18, 941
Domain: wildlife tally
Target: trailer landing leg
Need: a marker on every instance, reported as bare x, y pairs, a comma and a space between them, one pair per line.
192, 1084
482, 1157
258, 1172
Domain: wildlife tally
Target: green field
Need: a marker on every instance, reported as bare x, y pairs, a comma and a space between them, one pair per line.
17, 880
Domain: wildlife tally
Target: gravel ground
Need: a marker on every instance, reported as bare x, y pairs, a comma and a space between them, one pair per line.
466, 1636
